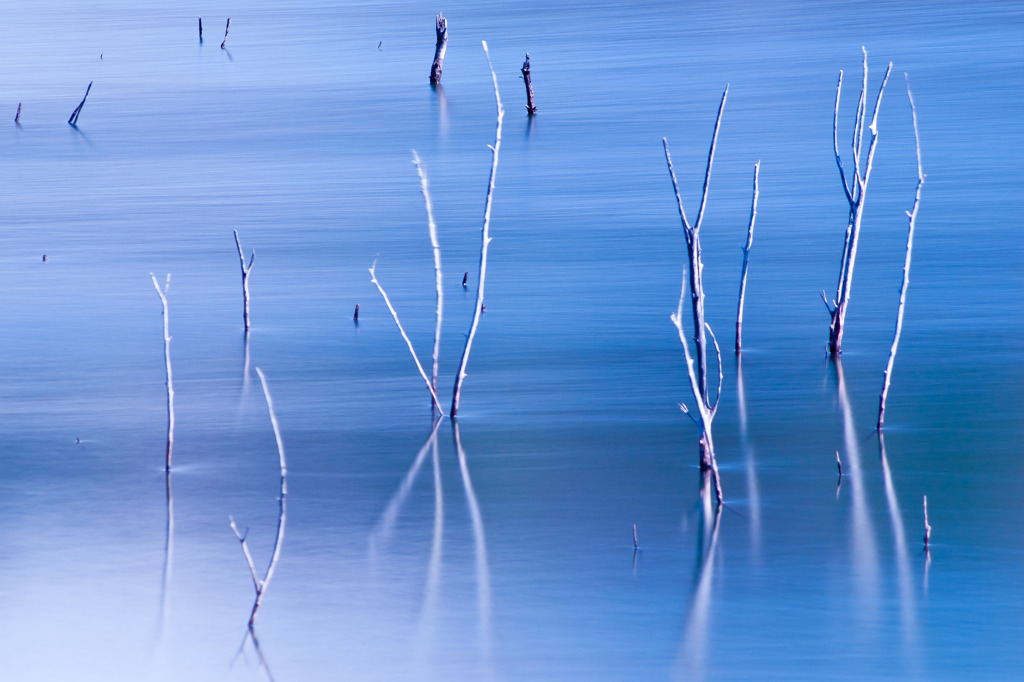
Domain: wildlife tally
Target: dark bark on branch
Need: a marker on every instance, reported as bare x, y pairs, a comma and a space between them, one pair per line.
439, 49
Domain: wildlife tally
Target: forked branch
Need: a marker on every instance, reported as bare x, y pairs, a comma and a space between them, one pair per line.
246, 269
260, 584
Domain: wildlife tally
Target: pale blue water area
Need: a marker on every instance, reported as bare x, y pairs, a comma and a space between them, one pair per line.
515, 561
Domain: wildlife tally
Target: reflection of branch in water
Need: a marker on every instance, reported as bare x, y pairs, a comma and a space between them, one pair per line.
865, 554
752, 489
908, 611
385, 525
694, 647
483, 575
168, 550
260, 584
434, 568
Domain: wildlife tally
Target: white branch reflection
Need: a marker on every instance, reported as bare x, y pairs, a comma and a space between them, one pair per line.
862, 535
753, 492
908, 609
691, 662
483, 574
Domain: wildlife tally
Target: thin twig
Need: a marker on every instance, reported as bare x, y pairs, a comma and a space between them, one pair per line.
485, 241
401, 329
162, 293
227, 27
911, 221
436, 247
746, 260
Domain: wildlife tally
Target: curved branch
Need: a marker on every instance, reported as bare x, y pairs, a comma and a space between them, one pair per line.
718, 355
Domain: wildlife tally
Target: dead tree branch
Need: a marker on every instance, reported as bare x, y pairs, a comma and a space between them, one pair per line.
531, 107
441, 29
401, 329
246, 269
162, 293
73, 119
436, 247
855, 195
485, 241
911, 220
746, 260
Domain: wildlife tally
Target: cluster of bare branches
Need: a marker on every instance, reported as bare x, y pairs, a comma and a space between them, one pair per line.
697, 368
855, 188
485, 241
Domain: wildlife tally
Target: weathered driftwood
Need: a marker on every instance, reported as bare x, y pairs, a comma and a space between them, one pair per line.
531, 107
911, 220
260, 584
433, 394
485, 241
855, 196
227, 27
746, 260
73, 119
246, 269
439, 49
436, 247
693, 277
162, 293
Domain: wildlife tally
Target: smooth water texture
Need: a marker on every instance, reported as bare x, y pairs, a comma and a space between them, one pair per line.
503, 549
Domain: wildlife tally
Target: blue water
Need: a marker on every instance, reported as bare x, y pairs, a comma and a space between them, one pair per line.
298, 135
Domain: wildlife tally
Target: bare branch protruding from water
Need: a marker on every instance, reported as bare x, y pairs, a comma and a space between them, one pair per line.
746, 260
246, 269
227, 27
73, 119
260, 584
531, 107
438, 283
441, 28
485, 241
162, 293
911, 221
855, 189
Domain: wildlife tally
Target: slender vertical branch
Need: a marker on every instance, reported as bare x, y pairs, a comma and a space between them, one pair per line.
746, 259
711, 160
485, 240
17, 116
227, 27
200, 29
531, 107
441, 28
401, 329
436, 246
162, 293
911, 220
73, 119
246, 269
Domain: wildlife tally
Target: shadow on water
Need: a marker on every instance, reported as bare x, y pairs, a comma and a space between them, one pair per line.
691, 660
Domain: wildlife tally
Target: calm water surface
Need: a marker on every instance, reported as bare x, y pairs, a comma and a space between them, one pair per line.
503, 549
